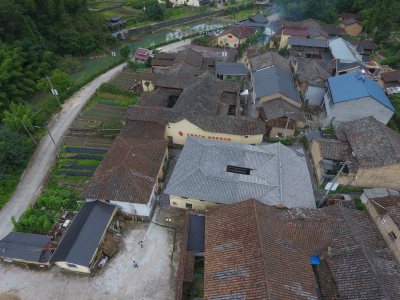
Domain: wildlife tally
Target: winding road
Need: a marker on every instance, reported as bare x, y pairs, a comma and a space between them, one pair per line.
33, 178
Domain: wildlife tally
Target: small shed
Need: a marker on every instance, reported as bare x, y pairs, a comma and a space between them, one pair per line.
25, 248
141, 55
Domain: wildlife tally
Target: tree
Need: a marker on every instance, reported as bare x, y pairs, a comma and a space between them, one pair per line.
17, 115
60, 81
154, 12
15, 148
125, 52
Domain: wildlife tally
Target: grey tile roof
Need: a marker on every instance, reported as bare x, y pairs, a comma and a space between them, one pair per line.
231, 69
373, 143
314, 43
268, 59
24, 246
272, 80
278, 175
80, 242
258, 18
344, 50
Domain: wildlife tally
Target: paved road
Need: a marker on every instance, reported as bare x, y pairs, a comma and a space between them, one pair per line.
31, 182
175, 47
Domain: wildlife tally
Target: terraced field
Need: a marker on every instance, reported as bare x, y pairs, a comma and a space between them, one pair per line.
128, 79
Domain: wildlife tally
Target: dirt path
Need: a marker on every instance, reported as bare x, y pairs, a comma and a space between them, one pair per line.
44, 157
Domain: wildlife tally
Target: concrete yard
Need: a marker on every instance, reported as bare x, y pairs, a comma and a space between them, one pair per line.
154, 279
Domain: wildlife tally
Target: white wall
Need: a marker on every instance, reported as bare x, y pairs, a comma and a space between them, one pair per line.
357, 109
314, 95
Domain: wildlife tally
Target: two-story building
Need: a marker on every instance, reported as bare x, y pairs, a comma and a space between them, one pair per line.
354, 96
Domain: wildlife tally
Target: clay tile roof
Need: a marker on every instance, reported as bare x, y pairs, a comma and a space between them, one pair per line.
239, 31
372, 143
279, 108
391, 76
255, 251
334, 149
350, 21
388, 205
312, 70
268, 59
129, 170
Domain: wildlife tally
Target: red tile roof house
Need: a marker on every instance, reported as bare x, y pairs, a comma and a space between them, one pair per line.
255, 251
141, 55
130, 174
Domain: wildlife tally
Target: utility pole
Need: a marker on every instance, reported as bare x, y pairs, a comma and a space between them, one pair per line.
53, 90
287, 123
48, 131
325, 196
26, 129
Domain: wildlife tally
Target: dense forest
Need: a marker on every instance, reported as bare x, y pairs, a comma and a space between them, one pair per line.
34, 34
36, 37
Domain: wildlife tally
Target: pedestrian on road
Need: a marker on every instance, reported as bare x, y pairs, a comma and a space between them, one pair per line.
141, 244
136, 265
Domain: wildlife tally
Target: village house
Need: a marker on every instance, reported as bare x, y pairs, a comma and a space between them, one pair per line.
348, 59
234, 36
26, 248
351, 23
231, 71
391, 81
311, 77
187, 104
163, 61
369, 149
267, 59
212, 172
256, 21
130, 175
307, 29
310, 48
117, 27
298, 253
383, 206
80, 248
273, 82
281, 118
141, 55
354, 96
194, 3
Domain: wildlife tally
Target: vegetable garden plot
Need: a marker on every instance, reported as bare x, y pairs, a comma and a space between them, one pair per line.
78, 167
87, 156
84, 150
76, 173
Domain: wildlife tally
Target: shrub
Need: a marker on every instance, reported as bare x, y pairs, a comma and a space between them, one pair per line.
57, 197
35, 221
359, 204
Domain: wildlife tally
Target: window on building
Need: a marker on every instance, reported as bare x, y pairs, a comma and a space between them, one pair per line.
279, 134
173, 203
184, 197
238, 170
71, 265
189, 205
392, 236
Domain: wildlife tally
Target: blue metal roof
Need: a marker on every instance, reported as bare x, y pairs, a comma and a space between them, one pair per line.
353, 86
